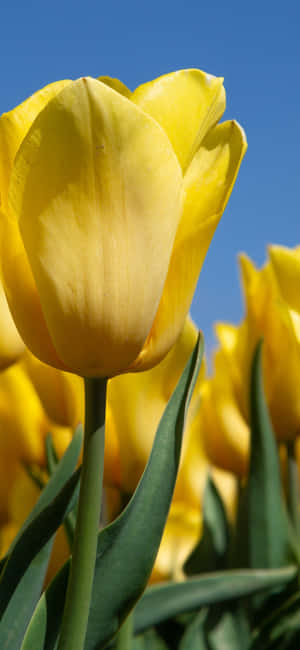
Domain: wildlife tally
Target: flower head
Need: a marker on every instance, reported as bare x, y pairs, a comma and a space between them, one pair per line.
109, 202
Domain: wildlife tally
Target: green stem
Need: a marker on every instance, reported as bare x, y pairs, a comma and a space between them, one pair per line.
293, 487
80, 583
125, 635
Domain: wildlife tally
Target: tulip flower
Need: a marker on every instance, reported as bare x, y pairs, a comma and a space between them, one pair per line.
225, 407
109, 202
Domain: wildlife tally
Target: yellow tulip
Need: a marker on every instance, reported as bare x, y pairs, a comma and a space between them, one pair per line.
225, 406
268, 315
109, 202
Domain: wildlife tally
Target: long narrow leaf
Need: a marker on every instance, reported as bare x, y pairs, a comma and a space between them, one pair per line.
162, 602
268, 537
211, 553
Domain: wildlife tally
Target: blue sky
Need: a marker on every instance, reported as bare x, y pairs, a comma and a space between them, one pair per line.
255, 46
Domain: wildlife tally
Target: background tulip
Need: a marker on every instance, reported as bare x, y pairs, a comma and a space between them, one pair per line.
225, 408
110, 202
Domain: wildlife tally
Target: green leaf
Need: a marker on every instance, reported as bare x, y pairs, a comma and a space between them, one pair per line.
149, 641
127, 548
220, 627
24, 571
194, 634
51, 456
211, 553
283, 622
268, 537
161, 602
228, 629
52, 461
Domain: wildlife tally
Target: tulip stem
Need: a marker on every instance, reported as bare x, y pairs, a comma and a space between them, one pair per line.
80, 583
125, 635
293, 487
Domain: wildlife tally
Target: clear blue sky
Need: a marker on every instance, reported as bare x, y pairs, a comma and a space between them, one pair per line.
254, 45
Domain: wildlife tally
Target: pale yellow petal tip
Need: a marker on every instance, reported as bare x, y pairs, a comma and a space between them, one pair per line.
226, 334
242, 132
277, 249
210, 78
280, 256
248, 270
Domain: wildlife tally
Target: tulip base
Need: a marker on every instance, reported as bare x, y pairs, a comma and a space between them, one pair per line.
80, 584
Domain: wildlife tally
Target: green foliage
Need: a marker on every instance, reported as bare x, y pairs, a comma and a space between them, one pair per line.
211, 553
269, 543
161, 602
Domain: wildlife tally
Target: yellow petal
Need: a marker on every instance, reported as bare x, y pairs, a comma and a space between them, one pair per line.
13, 128
227, 335
286, 265
61, 393
208, 183
181, 534
186, 103
97, 190
61, 438
23, 421
22, 297
249, 272
225, 432
11, 344
117, 85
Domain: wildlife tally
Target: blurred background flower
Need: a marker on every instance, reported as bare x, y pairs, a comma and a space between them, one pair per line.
225, 407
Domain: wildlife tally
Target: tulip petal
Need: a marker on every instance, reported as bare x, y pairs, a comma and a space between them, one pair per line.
97, 190
286, 265
23, 420
208, 183
186, 103
22, 296
13, 128
61, 393
11, 344
117, 85
227, 335
225, 432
